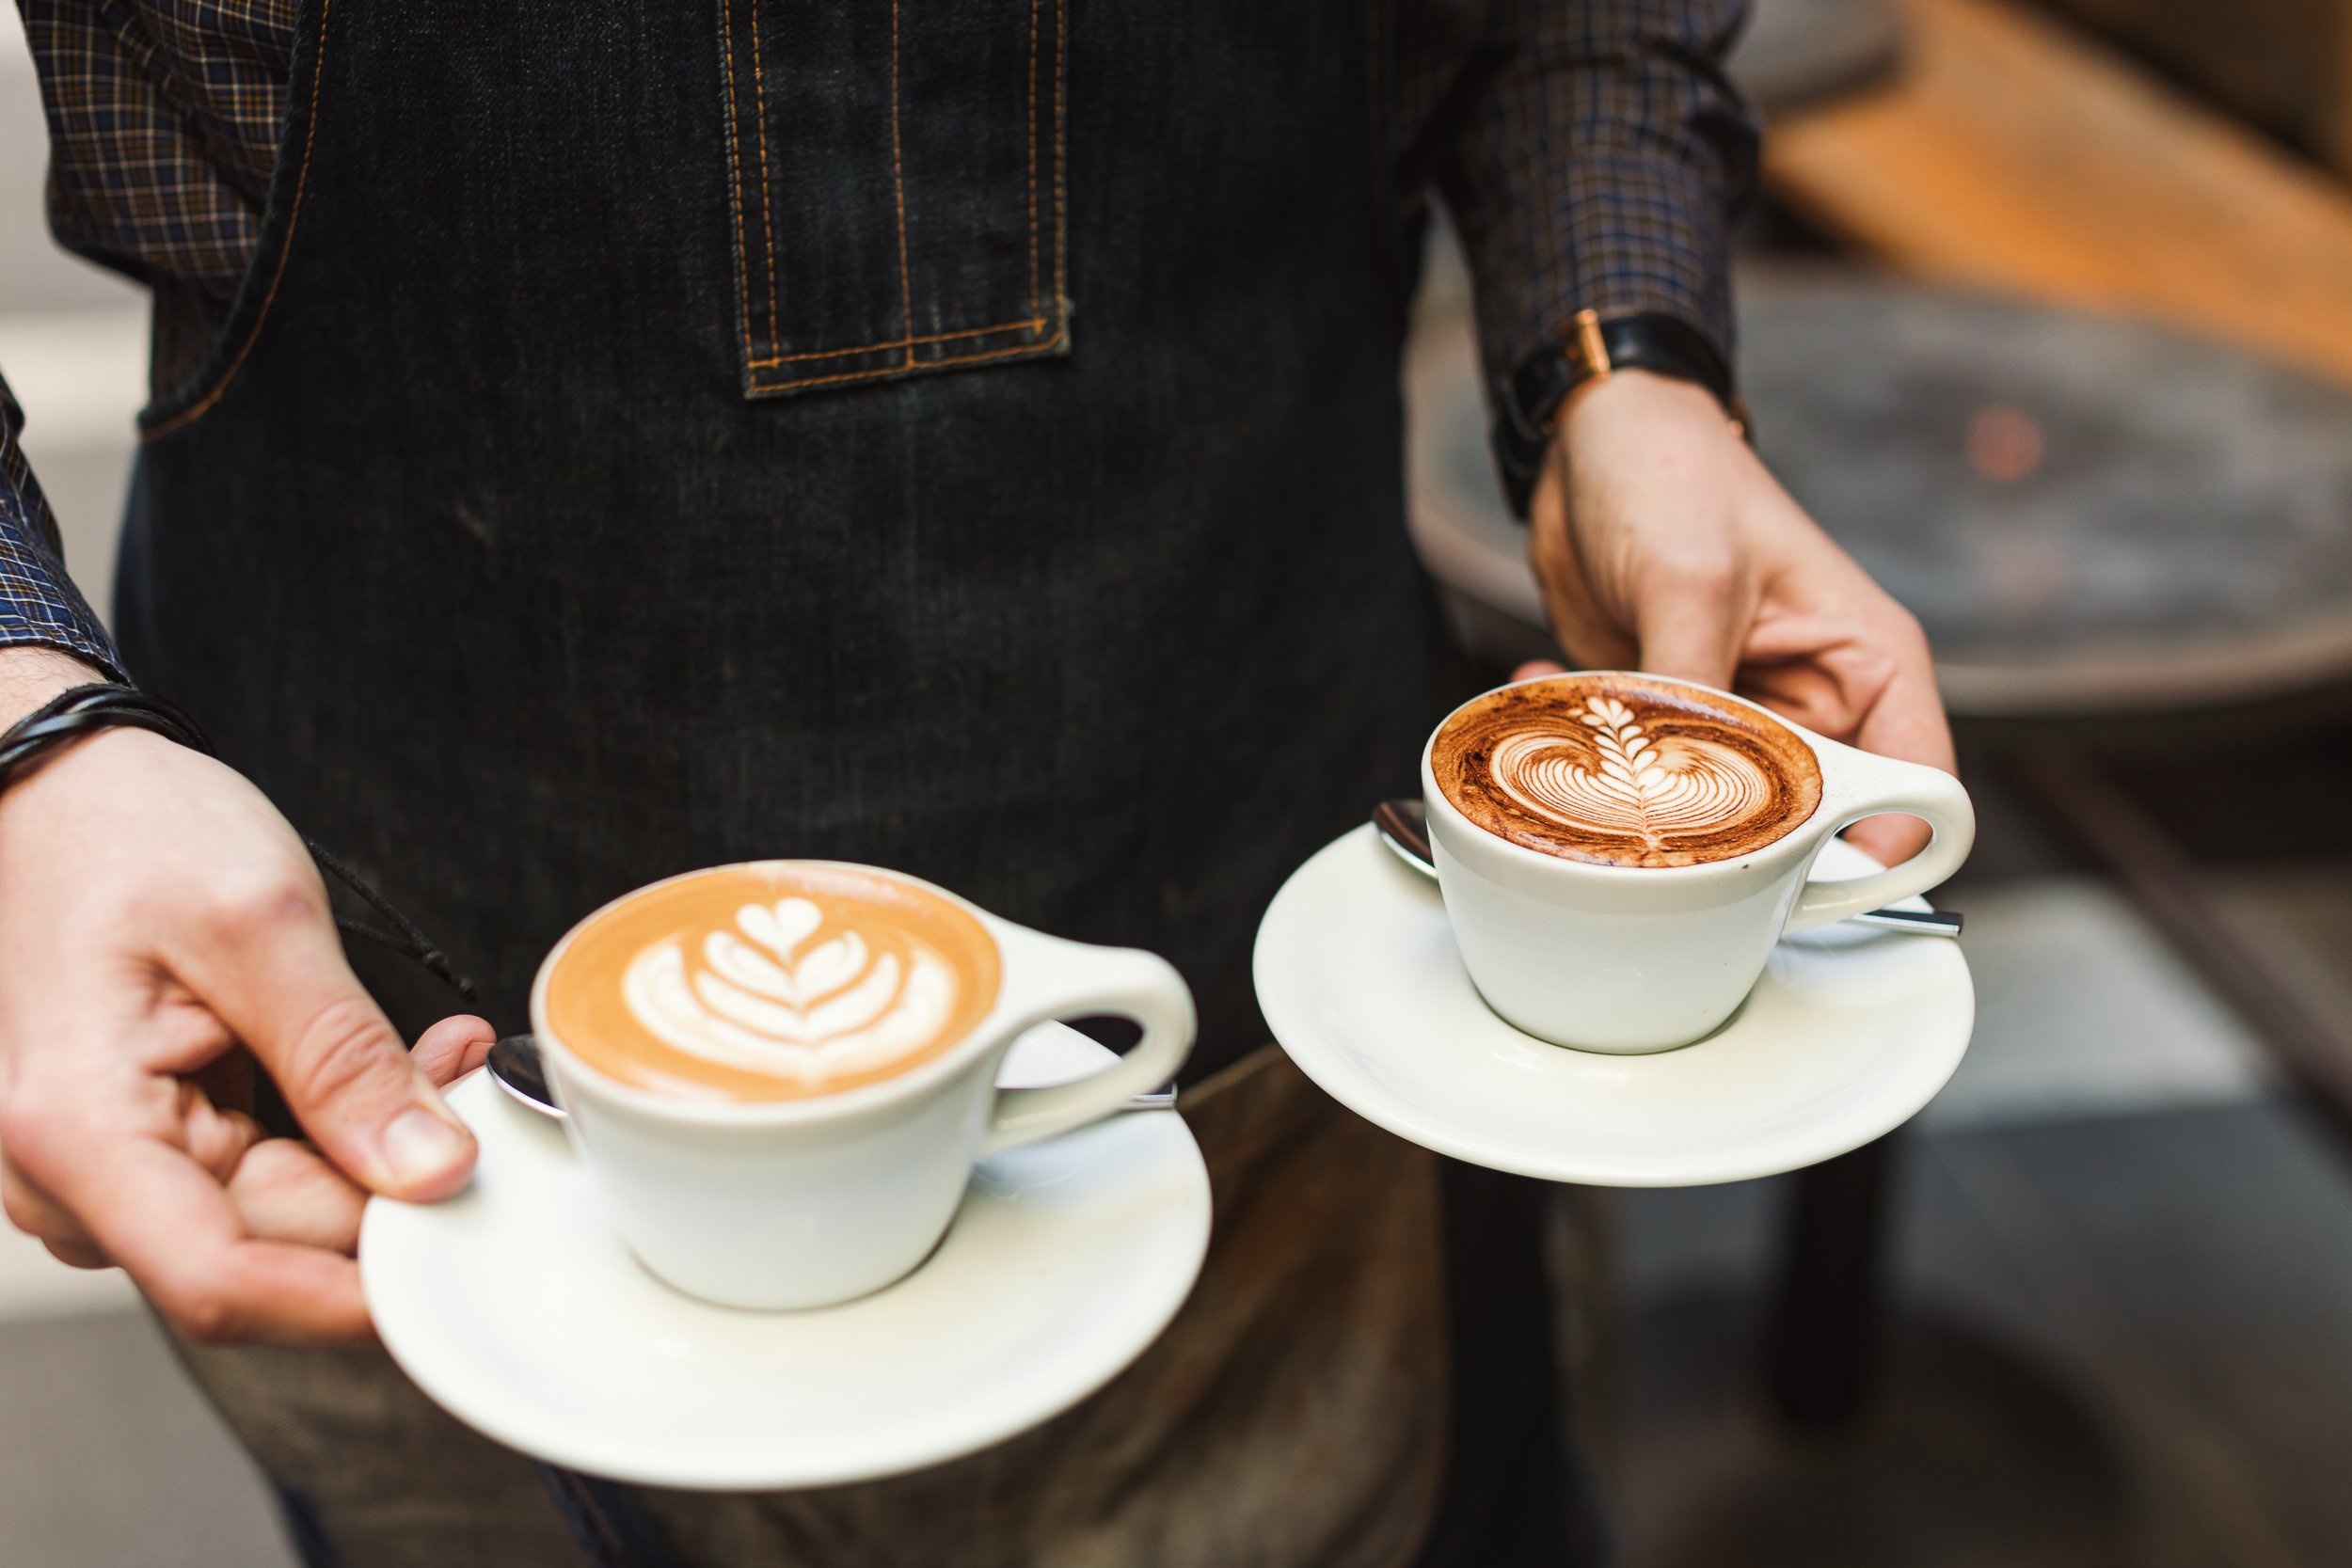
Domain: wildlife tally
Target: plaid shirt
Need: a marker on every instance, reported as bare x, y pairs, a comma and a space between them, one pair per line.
1589, 151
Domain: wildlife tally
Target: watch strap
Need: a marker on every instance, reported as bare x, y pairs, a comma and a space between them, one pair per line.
1592, 348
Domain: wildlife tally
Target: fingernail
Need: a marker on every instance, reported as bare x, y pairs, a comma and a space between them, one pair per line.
420, 1147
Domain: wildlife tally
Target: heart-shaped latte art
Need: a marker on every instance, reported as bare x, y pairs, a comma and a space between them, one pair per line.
765, 996
1610, 779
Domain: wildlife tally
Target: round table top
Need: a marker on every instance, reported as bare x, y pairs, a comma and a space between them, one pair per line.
2089, 515
1796, 51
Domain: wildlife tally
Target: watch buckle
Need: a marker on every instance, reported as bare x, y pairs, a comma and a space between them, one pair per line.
1585, 350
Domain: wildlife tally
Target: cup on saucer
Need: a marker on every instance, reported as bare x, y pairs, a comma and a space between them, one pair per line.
780, 1074
1618, 852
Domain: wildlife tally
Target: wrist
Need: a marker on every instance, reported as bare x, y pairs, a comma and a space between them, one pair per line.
31, 676
68, 720
1594, 349
1636, 417
1645, 393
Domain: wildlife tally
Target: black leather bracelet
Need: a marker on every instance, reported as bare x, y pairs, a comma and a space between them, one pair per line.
1593, 347
84, 710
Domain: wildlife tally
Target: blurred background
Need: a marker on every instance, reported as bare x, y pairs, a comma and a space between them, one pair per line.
2047, 316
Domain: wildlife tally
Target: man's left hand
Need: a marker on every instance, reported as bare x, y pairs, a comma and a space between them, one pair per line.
1663, 543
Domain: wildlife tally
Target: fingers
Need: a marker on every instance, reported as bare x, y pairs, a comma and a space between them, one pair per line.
281, 1188
99, 1191
1907, 721
1681, 607
453, 1048
43, 1218
1889, 840
1690, 625
77, 1255
171, 1225
285, 1192
1588, 631
1534, 669
270, 966
215, 1139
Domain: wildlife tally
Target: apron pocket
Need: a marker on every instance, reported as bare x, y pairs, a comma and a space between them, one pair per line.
897, 179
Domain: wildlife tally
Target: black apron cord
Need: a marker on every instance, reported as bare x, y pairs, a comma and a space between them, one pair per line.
405, 936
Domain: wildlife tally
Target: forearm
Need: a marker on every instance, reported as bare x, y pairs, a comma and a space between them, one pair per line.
1598, 163
41, 609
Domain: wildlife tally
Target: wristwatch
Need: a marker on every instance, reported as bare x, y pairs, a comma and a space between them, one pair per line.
1593, 347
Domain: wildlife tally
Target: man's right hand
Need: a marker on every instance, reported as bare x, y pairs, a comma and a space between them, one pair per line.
156, 914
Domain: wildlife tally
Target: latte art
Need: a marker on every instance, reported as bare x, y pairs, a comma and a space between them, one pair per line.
771, 981
1624, 770
1625, 783
767, 998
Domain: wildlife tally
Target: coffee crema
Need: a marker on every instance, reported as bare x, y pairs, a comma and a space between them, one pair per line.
772, 980
1625, 770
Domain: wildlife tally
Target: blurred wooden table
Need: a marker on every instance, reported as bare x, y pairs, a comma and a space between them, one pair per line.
1797, 52
2010, 152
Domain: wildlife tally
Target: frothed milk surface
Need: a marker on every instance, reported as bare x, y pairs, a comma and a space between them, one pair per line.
1623, 770
774, 980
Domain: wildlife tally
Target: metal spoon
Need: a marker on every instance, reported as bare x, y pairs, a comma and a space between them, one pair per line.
515, 1067
1404, 827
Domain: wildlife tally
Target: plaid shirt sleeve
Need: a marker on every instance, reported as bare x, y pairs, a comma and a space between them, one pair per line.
39, 603
1593, 156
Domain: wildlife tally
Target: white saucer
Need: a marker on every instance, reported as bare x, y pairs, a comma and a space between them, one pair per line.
515, 1306
1846, 1036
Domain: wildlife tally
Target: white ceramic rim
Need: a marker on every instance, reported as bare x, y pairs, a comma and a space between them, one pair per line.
1792, 843
996, 1027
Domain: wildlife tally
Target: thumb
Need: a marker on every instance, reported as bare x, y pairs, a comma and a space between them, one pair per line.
274, 973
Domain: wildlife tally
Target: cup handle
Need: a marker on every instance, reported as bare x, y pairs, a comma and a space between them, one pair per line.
1125, 982
1873, 786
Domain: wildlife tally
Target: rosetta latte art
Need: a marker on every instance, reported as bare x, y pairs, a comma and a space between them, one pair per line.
770, 995
1621, 781
1620, 768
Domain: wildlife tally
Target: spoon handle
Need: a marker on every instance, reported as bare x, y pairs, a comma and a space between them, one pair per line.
1931, 923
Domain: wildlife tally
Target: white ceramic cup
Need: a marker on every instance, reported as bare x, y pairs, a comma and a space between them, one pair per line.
807, 1202
1631, 960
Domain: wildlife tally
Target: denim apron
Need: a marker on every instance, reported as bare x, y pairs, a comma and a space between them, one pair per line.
958, 437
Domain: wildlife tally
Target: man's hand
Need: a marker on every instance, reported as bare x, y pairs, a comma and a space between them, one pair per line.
159, 921
1663, 543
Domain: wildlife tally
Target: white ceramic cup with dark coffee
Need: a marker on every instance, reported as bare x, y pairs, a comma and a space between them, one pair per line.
1619, 852
781, 1073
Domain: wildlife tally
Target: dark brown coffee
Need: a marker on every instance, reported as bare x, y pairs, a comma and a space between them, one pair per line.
1623, 769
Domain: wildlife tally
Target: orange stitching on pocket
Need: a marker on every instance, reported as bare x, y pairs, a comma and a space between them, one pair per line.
1036, 323
285, 249
766, 190
1033, 157
1375, 121
1032, 324
902, 369
735, 176
898, 183
1061, 166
